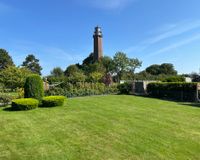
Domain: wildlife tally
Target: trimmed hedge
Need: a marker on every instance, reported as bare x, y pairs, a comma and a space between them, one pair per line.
175, 91
24, 104
52, 101
33, 87
125, 88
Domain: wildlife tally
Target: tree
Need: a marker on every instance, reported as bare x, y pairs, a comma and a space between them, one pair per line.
70, 70
165, 69
77, 77
121, 63
96, 76
195, 77
57, 72
14, 77
74, 74
108, 64
32, 64
168, 68
89, 59
5, 59
153, 69
133, 64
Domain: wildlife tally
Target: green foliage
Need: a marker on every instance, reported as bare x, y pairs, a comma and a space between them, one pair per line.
195, 77
124, 65
95, 67
5, 59
165, 68
32, 64
82, 89
89, 59
121, 62
174, 79
96, 76
133, 64
71, 70
52, 101
125, 88
20, 92
53, 79
108, 64
24, 104
33, 87
74, 74
143, 75
57, 72
14, 77
5, 99
175, 91
153, 69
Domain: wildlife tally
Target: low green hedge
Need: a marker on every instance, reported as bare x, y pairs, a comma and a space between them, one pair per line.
125, 88
25, 104
52, 101
175, 91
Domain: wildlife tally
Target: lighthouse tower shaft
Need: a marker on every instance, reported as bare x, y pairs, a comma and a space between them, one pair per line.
98, 44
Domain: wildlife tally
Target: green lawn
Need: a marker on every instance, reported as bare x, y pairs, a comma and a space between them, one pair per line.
103, 128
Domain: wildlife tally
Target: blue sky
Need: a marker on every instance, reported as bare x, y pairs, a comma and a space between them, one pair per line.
59, 32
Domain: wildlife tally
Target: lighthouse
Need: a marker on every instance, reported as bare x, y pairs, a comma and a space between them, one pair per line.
98, 48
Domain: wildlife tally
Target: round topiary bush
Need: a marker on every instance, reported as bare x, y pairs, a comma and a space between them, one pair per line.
24, 104
33, 87
52, 101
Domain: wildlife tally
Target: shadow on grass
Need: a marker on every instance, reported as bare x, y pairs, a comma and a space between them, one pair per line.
190, 104
10, 109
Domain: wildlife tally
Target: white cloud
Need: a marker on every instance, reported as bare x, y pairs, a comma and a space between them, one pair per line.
167, 31
175, 31
176, 45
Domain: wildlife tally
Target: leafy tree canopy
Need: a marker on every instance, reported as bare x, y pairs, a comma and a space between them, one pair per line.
32, 64
74, 74
70, 70
165, 68
57, 72
108, 64
124, 65
89, 60
5, 59
14, 77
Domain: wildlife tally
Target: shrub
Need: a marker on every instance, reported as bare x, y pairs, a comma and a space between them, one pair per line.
174, 79
125, 88
20, 92
25, 104
33, 87
175, 91
82, 89
5, 100
52, 101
